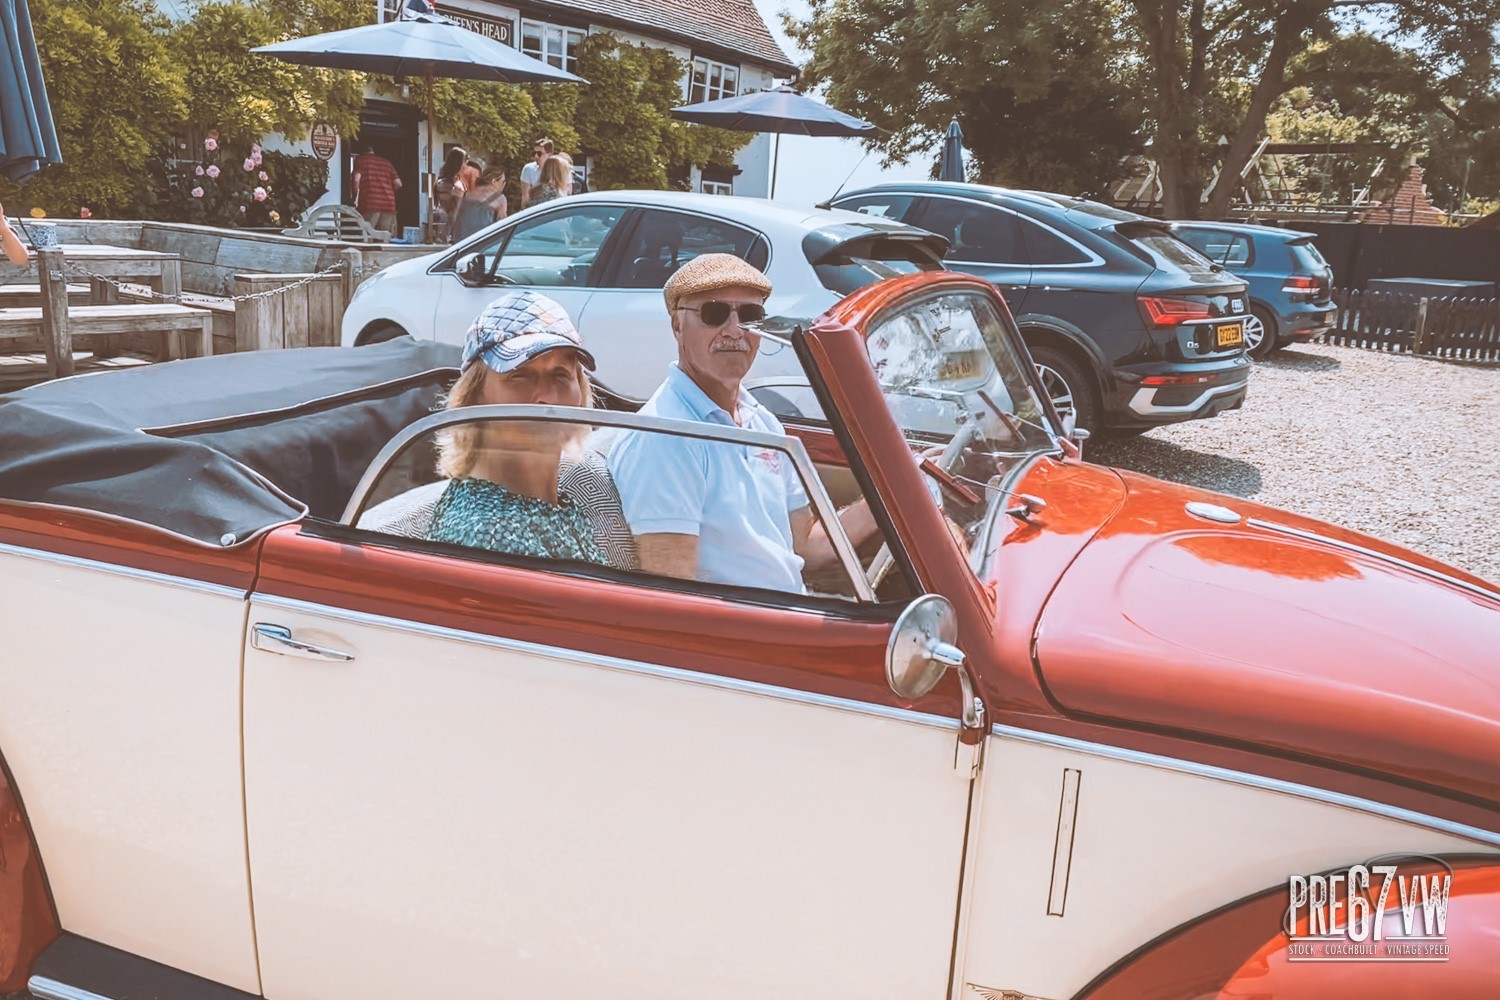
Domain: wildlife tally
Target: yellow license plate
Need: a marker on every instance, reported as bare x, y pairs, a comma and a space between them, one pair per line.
1230, 334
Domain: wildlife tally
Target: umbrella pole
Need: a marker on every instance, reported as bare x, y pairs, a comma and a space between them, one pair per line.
431, 214
775, 159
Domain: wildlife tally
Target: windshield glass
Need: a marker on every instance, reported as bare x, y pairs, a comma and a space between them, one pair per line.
962, 395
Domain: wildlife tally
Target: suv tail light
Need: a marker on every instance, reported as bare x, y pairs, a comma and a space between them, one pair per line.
1170, 312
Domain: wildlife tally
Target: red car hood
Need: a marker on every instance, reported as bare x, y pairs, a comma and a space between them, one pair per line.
1280, 632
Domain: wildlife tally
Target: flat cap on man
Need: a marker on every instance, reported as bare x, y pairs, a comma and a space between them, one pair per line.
709, 273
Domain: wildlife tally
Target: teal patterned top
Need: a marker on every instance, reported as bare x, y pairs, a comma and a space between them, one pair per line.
486, 515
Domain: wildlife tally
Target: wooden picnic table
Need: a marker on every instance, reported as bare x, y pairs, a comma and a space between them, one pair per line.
96, 261
104, 267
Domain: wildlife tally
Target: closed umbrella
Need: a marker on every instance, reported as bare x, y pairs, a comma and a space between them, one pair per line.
778, 111
28, 140
951, 165
424, 45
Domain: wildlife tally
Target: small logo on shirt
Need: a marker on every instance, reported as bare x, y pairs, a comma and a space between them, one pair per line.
771, 459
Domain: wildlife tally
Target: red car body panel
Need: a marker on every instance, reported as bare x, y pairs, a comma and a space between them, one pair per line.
1227, 955
822, 654
1247, 635
28, 920
117, 542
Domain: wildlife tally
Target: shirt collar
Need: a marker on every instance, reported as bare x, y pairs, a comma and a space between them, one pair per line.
699, 405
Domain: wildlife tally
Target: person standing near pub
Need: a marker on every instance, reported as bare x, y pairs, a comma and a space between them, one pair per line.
375, 185
531, 174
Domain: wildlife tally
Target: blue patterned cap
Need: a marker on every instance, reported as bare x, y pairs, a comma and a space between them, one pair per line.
517, 327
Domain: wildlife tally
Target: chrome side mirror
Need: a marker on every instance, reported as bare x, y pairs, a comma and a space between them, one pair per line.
921, 651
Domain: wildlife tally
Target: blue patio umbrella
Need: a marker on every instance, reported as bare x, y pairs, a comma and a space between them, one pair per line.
28, 140
423, 45
778, 111
951, 165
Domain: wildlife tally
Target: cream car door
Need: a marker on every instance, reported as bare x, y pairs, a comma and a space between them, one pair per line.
477, 775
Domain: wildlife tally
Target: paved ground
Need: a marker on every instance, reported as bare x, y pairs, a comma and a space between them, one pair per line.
1399, 447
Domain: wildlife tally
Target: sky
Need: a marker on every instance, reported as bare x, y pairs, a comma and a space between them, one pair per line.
811, 169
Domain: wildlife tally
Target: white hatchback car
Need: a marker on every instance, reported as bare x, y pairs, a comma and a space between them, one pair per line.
605, 257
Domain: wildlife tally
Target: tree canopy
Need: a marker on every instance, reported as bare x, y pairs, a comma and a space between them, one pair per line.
1055, 93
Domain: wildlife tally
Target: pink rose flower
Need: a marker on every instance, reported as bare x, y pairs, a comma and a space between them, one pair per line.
198, 171
256, 157
260, 194
249, 164
264, 176
213, 171
196, 192
84, 213
210, 144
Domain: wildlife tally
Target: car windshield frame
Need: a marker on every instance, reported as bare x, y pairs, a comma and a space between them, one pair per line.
976, 454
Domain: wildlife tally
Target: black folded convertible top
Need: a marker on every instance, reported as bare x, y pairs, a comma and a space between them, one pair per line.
218, 449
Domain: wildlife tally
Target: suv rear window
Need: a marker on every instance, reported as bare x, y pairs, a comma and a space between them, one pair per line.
1156, 244
864, 262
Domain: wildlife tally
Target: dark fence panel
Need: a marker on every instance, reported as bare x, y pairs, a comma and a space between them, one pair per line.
1450, 328
1359, 251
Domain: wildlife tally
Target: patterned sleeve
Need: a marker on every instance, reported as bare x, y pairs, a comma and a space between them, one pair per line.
587, 483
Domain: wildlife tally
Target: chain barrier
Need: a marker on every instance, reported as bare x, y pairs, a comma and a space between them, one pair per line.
78, 270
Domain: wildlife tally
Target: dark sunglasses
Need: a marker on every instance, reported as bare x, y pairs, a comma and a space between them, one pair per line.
716, 313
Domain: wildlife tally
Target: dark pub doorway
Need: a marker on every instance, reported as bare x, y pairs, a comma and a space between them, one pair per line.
391, 128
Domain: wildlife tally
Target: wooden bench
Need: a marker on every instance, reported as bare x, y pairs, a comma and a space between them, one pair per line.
337, 222
188, 331
184, 330
31, 295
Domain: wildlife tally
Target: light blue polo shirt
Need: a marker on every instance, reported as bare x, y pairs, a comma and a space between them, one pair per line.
737, 500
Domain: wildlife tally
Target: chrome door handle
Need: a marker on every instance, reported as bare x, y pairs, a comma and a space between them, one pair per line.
278, 639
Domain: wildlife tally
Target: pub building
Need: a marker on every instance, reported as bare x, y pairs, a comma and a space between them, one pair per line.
725, 44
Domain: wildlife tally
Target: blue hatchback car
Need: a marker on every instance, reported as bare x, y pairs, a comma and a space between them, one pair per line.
1291, 285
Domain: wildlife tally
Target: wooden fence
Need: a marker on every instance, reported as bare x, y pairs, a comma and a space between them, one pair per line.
1455, 329
294, 310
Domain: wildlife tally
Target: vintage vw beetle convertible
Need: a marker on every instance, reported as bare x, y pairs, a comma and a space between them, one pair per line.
1062, 731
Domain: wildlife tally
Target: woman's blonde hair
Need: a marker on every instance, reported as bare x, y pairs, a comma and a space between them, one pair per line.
557, 173
458, 447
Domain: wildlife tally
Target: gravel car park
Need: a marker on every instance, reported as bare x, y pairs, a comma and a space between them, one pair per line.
1319, 433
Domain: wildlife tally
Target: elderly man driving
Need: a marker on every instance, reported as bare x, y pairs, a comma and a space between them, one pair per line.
706, 510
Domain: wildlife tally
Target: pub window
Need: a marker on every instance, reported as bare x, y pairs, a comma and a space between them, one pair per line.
711, 81
554, 45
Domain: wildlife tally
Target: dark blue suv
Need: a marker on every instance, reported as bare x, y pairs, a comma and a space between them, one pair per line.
1130, 327
1291, 285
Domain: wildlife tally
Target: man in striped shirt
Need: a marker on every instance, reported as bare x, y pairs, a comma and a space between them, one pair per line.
375, 185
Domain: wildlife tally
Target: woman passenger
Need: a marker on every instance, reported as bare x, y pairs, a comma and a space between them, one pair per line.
503, 493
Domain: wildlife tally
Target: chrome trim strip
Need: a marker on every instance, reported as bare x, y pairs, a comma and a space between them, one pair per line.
1313, 536
792, 447
1141, 401
610, 662
51, 989
1490, 837
77, 562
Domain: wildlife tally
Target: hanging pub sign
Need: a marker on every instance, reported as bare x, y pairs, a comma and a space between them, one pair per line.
325, 138
500, 29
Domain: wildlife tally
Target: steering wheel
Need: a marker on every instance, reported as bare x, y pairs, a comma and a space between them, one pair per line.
880, 566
